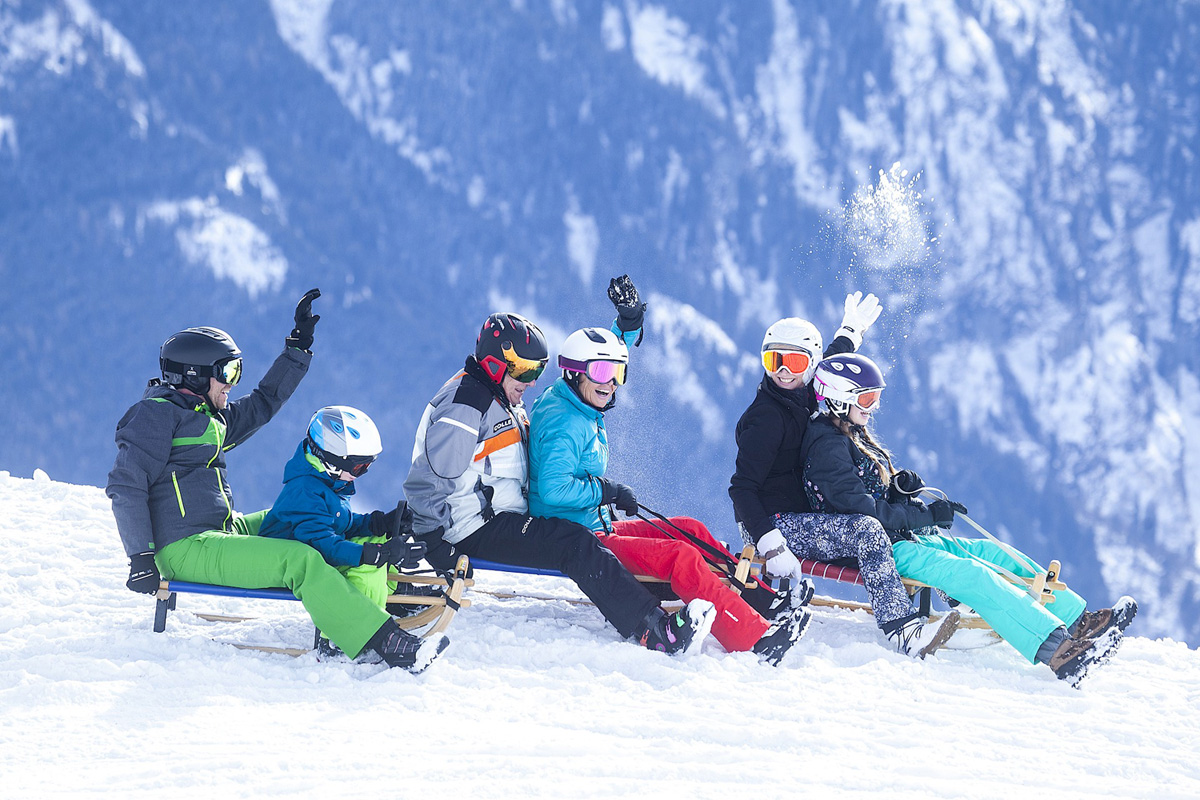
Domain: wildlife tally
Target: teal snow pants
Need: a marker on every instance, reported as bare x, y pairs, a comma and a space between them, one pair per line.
248, 561
959, 567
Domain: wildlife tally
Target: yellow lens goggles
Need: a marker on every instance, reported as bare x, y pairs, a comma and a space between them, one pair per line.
229, 372
525, 370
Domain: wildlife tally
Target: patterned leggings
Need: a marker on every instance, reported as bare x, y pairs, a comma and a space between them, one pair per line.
827, 537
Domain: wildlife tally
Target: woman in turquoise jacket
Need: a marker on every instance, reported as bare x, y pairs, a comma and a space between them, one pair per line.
568, 457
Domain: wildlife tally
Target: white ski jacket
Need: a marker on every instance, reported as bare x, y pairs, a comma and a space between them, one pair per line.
470, 459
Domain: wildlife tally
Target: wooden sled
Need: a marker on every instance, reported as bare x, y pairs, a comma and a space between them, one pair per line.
437, 613
1041, 586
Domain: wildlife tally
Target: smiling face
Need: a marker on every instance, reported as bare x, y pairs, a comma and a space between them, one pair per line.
218, 393
513, 388
857, 416
596, 395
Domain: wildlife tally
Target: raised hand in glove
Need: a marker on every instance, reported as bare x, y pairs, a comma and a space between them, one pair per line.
631, 311
302, 335
781, 562
944, 510
861, 312
397, 522
907, 482
401, 551
619, 495
143, 574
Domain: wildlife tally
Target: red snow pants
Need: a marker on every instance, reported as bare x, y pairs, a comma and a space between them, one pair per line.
644, 549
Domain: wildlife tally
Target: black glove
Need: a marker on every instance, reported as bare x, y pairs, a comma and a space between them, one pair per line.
143, 573
943, 512
619, 495
401, 551
907, 482
306, 322
397, 522
630, 309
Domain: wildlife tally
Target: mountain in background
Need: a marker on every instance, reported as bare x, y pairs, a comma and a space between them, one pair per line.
1017, 181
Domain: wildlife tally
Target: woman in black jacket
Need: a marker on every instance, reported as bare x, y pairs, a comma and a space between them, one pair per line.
847, 471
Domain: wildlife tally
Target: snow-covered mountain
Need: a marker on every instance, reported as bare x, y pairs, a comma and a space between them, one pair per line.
533, 698
1017, 180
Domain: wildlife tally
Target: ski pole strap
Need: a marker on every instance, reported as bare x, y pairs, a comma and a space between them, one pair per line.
726, 569
725, 558
1013, 552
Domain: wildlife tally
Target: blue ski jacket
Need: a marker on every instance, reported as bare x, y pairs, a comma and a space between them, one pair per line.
314, 508
568, 453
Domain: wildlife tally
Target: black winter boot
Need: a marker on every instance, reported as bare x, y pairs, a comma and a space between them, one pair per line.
680, 632
399, 648
780, 637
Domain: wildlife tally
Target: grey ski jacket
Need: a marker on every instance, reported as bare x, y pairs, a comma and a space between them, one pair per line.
168, 481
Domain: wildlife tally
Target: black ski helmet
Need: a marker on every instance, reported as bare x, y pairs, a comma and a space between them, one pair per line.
510, 344
192, 356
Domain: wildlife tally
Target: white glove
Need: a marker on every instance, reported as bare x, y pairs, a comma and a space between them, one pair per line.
780, 561
861, 313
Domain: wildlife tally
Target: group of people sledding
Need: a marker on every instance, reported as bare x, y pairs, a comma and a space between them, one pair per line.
493, 482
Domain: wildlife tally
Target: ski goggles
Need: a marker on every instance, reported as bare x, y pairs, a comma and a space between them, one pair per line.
355, 465
597, 371
796, 361
229, 371
525, 370
868, 399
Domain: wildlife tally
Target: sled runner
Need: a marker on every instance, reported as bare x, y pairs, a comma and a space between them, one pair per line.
436, 612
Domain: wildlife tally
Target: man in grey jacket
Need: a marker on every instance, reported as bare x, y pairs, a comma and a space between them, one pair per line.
174, 506
468, 488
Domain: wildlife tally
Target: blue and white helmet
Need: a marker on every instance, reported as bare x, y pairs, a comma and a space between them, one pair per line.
344, 438
847, 380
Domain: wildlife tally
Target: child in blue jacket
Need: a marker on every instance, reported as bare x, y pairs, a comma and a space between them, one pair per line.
314, 506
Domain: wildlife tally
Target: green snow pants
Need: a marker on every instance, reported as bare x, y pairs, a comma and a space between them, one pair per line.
959, 567
246, 560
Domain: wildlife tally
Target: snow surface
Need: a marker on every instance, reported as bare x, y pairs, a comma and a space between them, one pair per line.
533, 699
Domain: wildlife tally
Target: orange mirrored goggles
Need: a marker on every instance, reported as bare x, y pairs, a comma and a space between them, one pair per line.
525, 370
796, 362
868, 400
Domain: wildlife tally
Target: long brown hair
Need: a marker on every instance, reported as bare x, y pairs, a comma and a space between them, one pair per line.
868, 445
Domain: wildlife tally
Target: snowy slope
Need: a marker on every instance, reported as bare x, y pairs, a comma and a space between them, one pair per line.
1036, 245
533, 699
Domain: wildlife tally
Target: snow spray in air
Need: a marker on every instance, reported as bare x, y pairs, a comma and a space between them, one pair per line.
883, 225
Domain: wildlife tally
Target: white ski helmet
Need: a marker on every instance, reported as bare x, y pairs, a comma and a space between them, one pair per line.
344, 439
846, 380
588, 345
793, 333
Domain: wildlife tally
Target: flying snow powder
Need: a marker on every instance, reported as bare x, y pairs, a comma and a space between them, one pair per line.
884, 225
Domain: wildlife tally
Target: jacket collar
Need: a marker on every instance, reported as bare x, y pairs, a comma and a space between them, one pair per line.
477, 372
801, 401
560, 388
303, 464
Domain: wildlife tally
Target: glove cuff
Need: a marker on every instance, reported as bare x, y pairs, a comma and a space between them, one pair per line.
850, 333
771, 544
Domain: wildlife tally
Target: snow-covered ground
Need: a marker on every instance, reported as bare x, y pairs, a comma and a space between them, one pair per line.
533, 699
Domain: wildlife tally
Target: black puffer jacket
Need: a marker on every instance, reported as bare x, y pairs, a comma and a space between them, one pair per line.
767, 475
840, 479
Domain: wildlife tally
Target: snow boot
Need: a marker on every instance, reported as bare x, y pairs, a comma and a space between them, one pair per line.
681, 632
399, 648
1075, 658
780, 637
917, 637
1092, 624
773, 605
